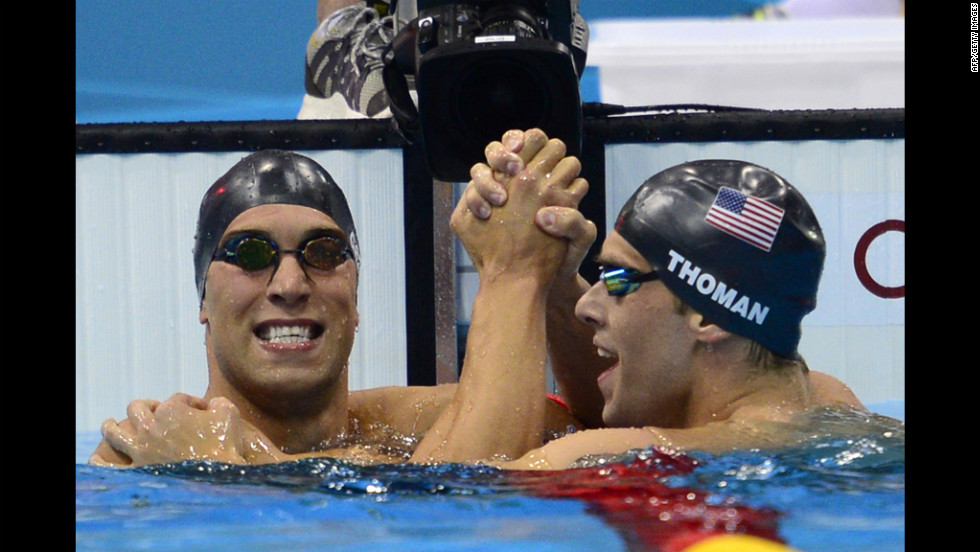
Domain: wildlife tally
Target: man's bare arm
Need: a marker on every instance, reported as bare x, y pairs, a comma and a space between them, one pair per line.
499, 406
574, 361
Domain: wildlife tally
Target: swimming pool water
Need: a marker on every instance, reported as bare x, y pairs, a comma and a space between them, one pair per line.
833, 494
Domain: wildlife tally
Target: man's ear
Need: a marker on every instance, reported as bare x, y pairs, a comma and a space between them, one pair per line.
706, 331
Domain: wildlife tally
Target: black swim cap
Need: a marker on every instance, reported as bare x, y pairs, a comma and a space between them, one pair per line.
268, 176
734, 241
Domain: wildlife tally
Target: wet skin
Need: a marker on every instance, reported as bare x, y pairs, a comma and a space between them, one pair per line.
649, 383
243, 310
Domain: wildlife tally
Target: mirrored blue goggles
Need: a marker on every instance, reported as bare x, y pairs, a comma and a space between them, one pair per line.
253, 253
624, 281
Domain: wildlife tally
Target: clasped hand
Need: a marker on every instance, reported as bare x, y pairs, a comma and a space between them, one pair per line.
536, 190
181, 428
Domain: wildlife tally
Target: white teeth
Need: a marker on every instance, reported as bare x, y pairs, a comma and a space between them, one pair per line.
604, 353
286, 334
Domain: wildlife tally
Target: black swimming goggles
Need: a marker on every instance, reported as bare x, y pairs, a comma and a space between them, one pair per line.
624, 281
253, 253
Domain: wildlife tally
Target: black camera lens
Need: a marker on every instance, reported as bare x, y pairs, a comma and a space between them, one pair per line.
483, 67
497, 95
511, 19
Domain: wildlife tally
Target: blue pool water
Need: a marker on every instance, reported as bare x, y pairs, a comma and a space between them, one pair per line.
833, 494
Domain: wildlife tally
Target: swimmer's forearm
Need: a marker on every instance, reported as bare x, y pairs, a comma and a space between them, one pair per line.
499, 406
561, 453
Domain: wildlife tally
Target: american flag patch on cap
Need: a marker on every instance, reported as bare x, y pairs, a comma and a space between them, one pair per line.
750, 219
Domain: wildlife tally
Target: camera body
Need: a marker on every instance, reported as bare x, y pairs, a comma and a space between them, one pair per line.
455, 21
482, 67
